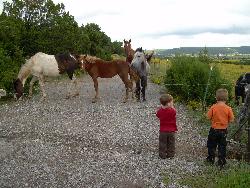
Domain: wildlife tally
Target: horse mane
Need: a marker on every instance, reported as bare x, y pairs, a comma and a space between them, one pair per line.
92, 59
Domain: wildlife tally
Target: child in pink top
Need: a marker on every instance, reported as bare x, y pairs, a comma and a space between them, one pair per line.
167, 116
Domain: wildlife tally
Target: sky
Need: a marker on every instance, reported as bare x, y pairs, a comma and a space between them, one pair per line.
164, 24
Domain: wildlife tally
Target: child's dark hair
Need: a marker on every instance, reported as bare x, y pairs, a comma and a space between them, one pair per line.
221, 95
165, 98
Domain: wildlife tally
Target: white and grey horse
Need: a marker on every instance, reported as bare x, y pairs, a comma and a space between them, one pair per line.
42, 65
141, 66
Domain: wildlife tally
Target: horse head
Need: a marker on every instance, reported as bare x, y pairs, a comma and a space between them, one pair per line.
80, 63
18, 88
86, 59
129, 52
127, 46
139, 50
139, 62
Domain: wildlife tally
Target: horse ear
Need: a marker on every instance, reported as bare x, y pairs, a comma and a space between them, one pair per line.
129, 40
124, 40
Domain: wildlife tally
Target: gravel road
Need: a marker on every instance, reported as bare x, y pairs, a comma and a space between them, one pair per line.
75, 143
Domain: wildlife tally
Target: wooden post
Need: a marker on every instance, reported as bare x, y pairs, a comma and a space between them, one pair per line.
248, 130
248, 119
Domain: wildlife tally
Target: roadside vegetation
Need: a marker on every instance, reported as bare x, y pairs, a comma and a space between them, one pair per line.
45, 27
193, 81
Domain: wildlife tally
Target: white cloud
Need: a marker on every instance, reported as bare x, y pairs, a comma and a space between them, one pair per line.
167, 23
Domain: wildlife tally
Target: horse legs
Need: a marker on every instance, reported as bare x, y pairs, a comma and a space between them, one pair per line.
128, 85
76, 86
237, 100
73, 82
138, 90
41, 83
34, 78
96, 90
144, 85
132, 88
243, 98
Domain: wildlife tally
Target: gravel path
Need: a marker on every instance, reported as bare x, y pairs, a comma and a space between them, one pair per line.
76, 143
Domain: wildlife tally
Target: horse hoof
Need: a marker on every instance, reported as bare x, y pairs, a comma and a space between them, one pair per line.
94, 100
43, 99
75, 95
125, 100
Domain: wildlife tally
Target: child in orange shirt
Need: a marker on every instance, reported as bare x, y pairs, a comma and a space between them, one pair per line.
220, 115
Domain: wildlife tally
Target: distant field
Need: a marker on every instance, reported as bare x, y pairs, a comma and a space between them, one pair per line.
232, 72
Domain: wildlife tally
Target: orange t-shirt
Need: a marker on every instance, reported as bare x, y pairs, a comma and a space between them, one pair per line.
220, 115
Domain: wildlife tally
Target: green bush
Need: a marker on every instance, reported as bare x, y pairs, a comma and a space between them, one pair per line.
193, 80
9, 70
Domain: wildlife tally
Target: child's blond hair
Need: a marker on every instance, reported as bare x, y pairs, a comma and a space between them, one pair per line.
222, 95
165, 99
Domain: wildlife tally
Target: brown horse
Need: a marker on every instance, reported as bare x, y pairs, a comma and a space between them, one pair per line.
129, 52
97, 67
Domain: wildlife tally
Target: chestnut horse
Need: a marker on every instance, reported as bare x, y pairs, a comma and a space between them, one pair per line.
41, 65
129, 52
97, 67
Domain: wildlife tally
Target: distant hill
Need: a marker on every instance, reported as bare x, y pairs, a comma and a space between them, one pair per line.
211, 51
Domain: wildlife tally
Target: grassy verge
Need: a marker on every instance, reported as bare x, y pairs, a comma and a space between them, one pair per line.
237, 175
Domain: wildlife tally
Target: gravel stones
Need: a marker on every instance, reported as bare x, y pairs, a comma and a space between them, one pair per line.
76, 143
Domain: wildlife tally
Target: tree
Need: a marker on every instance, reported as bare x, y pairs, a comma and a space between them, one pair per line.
204, 56
99, 43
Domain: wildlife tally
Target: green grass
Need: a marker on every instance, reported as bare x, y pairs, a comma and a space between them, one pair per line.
158, 70
236, 175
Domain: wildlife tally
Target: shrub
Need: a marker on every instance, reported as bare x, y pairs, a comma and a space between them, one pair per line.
9, 70
188, 78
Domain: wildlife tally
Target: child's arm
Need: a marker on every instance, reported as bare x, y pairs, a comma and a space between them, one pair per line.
210, 113
231, 115
157, 112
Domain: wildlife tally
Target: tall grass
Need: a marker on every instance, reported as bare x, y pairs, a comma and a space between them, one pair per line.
232, 72
158, 68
